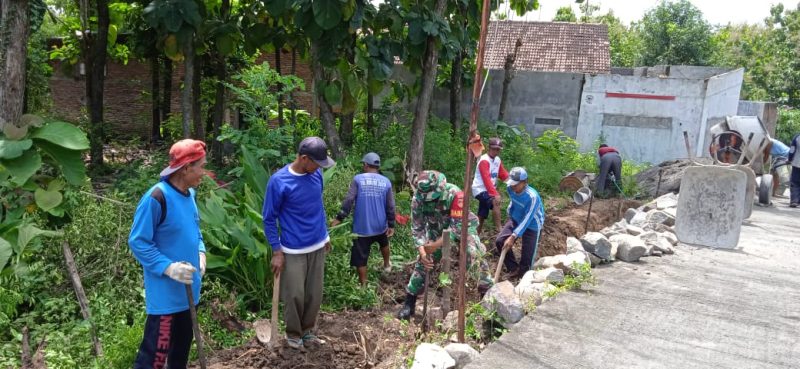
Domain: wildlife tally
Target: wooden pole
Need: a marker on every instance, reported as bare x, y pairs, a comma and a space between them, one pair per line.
446, 270
473, 135
81, 295
588, 215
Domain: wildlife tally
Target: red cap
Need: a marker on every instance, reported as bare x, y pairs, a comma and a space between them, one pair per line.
184, 152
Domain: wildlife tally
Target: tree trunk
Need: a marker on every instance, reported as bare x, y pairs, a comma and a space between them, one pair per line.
346, 128
166, 100
188, 78
325, 111
197, 119
95, 83
370, 113
14, 29
291, 95
509, 75
456, 74
430, 62
155, 79
279, 86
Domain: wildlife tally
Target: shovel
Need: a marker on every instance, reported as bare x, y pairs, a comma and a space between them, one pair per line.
267, 331
500, 265
196, 328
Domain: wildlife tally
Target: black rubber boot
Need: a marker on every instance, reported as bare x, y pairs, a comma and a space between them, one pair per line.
408, 308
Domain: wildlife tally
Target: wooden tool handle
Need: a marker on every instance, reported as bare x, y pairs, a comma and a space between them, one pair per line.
276, 290
500, 265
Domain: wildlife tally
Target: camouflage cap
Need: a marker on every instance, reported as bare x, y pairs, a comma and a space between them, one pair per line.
430, 185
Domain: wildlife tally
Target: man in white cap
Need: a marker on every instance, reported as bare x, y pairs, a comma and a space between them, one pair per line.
525, 220
296, 228
373, 217
165, 238
484, 184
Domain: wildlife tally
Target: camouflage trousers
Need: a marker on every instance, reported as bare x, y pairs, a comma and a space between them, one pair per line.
478, 267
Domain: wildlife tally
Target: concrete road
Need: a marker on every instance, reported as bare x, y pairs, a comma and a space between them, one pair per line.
699, 308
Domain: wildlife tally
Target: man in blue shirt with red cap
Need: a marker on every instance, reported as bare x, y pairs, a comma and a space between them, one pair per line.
165, 238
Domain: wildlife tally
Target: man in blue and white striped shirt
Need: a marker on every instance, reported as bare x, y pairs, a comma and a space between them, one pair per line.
525, 220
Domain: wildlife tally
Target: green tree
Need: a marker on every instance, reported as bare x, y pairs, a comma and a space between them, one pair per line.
624, 42
675, 32
565, 14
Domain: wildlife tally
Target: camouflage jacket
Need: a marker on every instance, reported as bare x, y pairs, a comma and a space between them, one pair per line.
429, 218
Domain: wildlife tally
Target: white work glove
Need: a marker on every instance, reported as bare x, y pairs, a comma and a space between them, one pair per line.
181, 271
202, 263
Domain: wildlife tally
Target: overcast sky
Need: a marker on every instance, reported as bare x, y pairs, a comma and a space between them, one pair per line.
715, 11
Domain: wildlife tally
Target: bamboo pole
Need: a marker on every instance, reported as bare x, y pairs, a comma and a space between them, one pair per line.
473, 135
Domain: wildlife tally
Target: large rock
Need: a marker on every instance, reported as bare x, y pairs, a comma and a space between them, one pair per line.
594, 259
553, 275
576, 259
667, 201
631, 248
502, 299
669, 236
450, 322
671, 174
616, 228
660, 217
633, 230
639, 220
597, 244
663, 245
462, 353
660, 228
530, 293
430, 356
630, 213
574, 245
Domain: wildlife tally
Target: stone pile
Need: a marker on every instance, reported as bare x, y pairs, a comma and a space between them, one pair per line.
645, 231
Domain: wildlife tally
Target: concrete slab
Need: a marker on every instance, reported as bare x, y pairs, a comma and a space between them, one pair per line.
710, 207
699, 308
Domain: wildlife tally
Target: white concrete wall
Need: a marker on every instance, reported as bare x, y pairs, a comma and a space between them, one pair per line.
722, 99
639, 140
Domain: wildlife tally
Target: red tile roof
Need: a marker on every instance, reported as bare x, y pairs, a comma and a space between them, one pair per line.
550, 46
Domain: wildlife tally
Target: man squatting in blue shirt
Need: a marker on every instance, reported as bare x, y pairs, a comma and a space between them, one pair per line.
165, 238
296, 227
373, 218
525, 220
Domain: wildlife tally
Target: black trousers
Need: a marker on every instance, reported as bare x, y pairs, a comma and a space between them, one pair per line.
166, 342
794, 186
529, 248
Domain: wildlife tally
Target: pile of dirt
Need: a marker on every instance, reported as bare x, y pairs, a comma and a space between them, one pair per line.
354, 339
570, 222
670, 171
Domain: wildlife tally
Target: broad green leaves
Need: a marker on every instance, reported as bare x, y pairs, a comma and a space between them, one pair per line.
327, 13
23, 167
5, 252
13, 149
47, 200
62, 134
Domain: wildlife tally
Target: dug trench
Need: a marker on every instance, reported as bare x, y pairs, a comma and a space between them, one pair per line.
374, 338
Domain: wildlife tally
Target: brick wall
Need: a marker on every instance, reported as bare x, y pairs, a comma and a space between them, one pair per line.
128, 109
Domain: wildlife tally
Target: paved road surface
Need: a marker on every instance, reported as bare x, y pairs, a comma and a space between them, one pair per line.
699, 308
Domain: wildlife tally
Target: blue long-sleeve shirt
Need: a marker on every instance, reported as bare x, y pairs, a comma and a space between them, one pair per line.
293, 212
526, 210
156, 244
374, 204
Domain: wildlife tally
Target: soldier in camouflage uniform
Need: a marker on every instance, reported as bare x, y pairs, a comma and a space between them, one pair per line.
437, 206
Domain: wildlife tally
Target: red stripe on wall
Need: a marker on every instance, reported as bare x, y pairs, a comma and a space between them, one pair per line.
623, 95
